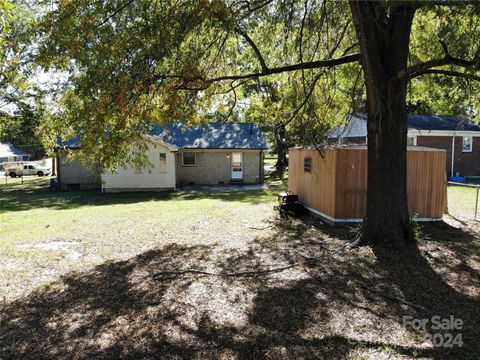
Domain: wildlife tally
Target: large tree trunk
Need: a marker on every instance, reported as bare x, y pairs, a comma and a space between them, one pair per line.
281, 147
383, 36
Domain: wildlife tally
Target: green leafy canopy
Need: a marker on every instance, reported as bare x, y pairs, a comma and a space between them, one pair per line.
132, 63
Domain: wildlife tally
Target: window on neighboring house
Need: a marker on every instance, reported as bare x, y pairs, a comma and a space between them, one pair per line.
189, 159
467, 144
163, 162
307, 164
411, 141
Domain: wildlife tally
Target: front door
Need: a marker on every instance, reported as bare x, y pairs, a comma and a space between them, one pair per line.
237, 166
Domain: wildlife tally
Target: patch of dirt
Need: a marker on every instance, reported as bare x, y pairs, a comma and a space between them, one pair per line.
67, 247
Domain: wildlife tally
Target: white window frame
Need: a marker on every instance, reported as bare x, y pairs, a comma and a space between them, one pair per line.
463, 144
194, 157
414, 140
162, 171
309, 158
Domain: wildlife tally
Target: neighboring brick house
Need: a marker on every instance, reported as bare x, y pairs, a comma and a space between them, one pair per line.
206, 154
9, 153
450, 133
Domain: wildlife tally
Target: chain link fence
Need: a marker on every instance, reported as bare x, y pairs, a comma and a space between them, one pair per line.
463, 200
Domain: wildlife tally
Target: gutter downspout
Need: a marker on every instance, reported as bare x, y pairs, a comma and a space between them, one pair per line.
261, 167
59, 176
453, 156
174, 153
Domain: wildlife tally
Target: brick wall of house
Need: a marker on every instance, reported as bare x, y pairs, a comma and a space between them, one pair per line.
214, 167
466, 163
438, 142
355, 140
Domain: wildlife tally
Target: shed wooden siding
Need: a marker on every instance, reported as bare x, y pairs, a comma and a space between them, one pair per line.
317, 188
337, 184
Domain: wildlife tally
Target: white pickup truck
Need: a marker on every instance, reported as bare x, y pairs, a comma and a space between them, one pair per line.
24, 169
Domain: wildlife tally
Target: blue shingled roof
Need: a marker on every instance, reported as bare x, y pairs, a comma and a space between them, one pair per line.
7, 150
212, 136
203, 136
435, 122
73, 143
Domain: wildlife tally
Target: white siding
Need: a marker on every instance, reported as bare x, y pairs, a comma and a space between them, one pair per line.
149, 178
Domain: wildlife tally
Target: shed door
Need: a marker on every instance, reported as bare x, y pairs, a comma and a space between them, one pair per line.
237, 166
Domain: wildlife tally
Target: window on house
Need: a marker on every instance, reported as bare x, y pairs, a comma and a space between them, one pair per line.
163, 162
411, 141
237, 160
307, 164
189, 159
467, 144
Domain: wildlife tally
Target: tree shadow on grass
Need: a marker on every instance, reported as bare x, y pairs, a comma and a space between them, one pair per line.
118, 310
423, 280
436, 275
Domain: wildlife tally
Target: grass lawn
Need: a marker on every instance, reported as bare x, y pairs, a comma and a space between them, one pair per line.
269, 160
45, 234
76, 280
461, 201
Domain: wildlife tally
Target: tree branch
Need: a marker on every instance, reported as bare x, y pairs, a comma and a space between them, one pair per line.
115, 12
447, 73
304, 102
303, 65
423, 3
257, 52
421, 68
202, 82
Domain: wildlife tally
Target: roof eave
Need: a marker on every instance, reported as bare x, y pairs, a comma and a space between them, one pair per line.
170, 147
223, 148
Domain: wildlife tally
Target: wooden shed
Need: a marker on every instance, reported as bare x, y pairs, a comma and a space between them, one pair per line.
333, 183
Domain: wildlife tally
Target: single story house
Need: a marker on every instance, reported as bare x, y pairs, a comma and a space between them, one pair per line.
459, 138
205, 154
9, 153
